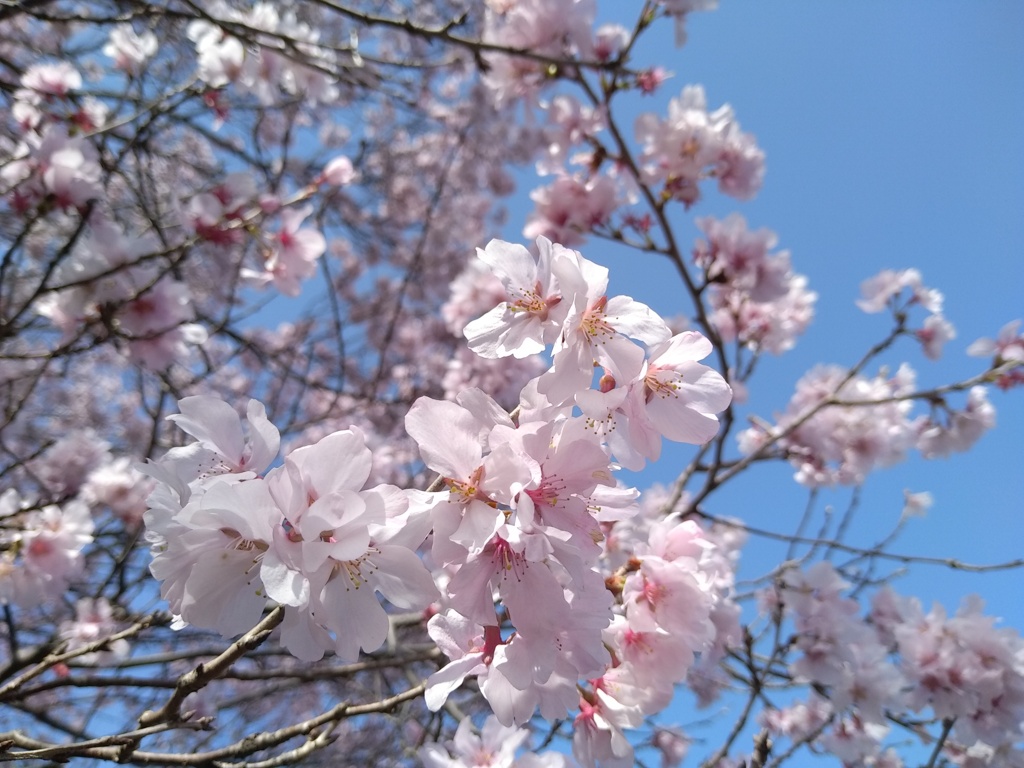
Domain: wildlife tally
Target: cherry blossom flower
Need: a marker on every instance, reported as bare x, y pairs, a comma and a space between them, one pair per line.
495, 746
598, 730
692, 144
220, 55
118, 485
94, 621
42, 547
1007, 346
681, 397
532, 313
292, 255
937, 331
558, 28
572, 206
842, 444
609, 40
338, 172
598, 330
308, 535
452, 438
570, 124
51, 80
130, 50
960, 429
221, 438
880, 291
916, 504
755, 297
650, 80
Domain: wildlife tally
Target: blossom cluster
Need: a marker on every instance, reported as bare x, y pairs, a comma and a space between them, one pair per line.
114, 282
960, 669
1006, 348
267, 70
44, 534
495, 747
897, 291
107, 285
646, 392
40, 547
558, 29
104, 282
517, 532
839, 427
755, 297
226, 534
692, 144
52, 162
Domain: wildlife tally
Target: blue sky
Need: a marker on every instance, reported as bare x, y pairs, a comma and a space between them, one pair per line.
893, 139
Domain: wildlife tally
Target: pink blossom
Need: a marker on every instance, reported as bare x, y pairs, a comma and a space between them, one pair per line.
43, 548
571, 207
673, 746
755, 297
292, 255
916, 504
649, 80
64, 467
495, 747
672, 396
692, 144
841, 444
877, 292
338, 172
598, 730
220, 55
218, 428
1007, 346
308, 535
937, 331
119, 486
130, 50
558, 28
469, 646
598, 330
681, 396
52, 80
533, 311
94, 621
798, 720
570, 124
452, 438
609, 41
68, 168
739, 258
960, 429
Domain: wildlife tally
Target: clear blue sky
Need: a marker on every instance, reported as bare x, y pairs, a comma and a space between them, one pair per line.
893, 134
